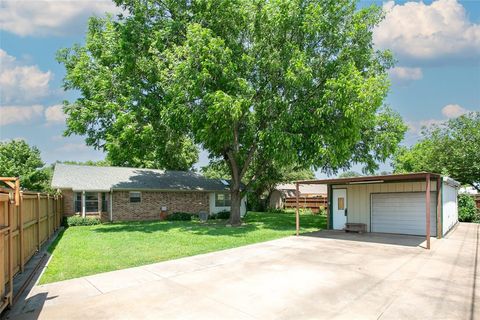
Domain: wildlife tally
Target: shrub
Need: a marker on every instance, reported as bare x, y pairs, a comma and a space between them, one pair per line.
179, 216
467, 211
223, 215
322, 211
79, 221
256, 203
306, 211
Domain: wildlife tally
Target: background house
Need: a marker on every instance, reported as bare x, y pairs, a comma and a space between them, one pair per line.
117, 193
312, 196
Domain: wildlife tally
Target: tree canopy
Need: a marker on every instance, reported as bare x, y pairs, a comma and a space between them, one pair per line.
265, 179
349, 174
18, 159
252, 82
99, 163
451, 148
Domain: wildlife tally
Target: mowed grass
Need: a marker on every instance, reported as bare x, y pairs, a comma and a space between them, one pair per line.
81, 251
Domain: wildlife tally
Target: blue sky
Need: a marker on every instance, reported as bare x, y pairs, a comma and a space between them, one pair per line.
437, 76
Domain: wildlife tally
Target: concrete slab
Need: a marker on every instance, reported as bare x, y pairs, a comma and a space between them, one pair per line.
174, 267
319, 276
109, 281
63, 291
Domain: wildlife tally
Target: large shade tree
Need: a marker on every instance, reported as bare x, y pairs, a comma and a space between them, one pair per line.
451, 148
283, 81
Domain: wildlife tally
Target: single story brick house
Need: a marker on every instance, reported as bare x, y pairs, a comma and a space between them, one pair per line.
118, 193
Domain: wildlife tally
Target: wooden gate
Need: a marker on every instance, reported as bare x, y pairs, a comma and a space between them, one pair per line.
27, 220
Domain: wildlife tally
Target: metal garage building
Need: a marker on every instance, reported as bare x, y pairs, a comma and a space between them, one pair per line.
398, 203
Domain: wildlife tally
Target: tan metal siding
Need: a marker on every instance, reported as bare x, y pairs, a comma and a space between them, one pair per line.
358, 197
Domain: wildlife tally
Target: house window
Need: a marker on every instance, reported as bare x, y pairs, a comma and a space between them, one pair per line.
222, 199
78, 202
135, 196
341, 203
91, 201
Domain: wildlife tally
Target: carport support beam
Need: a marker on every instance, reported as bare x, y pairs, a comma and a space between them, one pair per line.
297, 213
439, 208
427, 206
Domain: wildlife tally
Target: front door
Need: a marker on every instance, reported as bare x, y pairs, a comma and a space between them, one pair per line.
339, 208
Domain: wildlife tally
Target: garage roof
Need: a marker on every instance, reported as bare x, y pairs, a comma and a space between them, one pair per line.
371, 179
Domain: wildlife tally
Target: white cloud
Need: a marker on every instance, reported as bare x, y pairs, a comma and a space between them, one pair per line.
405, 75
50, 17
16, 114
449, 111
419, 31
54, 114
74, 147
21, 84
415, 127
453, 110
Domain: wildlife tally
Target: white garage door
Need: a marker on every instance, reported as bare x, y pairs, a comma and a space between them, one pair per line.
402, 213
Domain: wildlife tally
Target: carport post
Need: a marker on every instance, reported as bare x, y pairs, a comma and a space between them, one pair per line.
297, 214
439, 207
427, 205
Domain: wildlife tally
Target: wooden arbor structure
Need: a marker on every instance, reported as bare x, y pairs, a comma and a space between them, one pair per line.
426, 177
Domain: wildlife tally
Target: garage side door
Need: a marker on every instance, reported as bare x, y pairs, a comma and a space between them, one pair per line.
402, 213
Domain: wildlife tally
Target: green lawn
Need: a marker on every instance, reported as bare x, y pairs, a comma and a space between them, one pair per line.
81, 251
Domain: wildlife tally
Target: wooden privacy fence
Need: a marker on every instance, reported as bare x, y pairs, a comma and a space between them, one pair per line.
25, 225
313, 203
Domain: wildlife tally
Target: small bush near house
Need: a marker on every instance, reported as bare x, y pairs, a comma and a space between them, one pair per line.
223, 215
79, 221
179, 216
322, 211
307, 211
274, 210
467, 211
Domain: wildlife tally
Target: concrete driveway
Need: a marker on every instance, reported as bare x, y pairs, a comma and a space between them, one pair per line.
321, 276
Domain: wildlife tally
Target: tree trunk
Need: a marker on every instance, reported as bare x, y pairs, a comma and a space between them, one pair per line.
237, 175
236, 201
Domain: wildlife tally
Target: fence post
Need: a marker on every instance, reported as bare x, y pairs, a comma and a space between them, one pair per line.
54, 213
21, 246
38, 221
48, 216
62, 208
11, 207
57, 205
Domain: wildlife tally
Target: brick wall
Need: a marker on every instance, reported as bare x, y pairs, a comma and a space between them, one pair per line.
152, 202
68, 202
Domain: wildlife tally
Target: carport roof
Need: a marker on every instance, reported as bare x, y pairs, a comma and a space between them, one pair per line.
371, 179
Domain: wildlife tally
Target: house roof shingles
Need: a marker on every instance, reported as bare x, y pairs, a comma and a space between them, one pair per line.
90, 178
